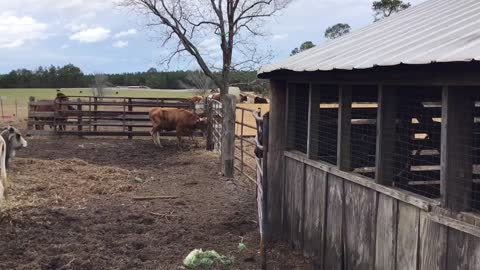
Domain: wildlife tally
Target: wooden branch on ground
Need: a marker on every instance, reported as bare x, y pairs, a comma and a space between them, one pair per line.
154, 198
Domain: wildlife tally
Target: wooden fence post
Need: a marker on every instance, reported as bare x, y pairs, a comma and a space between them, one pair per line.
30, 109
208, 110
386, 137
228, 136
456, 149
275, 160
266, 229
130, 109
79, 119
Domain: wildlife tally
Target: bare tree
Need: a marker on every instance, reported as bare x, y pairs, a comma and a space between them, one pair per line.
233, 27
201, 82
232, 24
99, 84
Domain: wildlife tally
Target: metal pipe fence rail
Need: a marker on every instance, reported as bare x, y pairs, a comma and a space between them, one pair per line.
245, 159
98, 116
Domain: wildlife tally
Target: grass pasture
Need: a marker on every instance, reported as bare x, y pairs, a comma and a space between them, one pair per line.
15, 101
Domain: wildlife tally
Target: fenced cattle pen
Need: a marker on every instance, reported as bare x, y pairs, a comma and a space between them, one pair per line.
98, 116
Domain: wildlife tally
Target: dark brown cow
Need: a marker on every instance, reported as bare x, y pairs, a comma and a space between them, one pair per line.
216, 97
260, 100
182, 121
52, 107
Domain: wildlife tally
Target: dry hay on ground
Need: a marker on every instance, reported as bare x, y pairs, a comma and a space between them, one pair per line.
71, 207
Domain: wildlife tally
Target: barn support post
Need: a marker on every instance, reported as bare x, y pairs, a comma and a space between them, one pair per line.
386, 129
275, 161
456, 144
314, 114
228, 136
344, 128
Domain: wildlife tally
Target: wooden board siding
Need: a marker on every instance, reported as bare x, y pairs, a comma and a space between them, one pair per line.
360, 209
334, 253
433, 244
343, 223
294, 200
407, 236
315, 208
386, 227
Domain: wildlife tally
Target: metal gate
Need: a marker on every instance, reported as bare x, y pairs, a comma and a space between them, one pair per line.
215, 120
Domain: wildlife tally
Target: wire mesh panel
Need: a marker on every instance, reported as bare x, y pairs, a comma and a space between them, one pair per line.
364, 129
297, 125
324, 123
416, 156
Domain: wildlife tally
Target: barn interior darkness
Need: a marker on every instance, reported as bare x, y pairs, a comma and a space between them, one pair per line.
312, 129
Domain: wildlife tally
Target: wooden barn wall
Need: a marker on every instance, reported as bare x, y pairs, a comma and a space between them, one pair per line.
341, 224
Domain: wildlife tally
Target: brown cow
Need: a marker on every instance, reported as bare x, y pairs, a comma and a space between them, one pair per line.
216, 96
182, 121
197, 99
54, 106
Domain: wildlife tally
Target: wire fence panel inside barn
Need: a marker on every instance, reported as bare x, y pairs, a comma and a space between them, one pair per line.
298, 102
97, 116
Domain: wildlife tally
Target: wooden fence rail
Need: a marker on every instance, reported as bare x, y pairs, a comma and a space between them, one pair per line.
98, 116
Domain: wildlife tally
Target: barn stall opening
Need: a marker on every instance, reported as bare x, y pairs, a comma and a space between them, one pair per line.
373, 149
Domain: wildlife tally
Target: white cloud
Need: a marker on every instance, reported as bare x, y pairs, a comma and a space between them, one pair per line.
120, 44
126, 33
91, 35
279, 37
65, 46
75, 27
16, 31
211, 44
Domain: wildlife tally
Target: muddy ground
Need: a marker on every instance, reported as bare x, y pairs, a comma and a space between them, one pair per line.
71, 206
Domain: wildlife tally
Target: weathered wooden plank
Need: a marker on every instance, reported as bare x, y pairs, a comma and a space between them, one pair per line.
407, 237
457, 250
314, 218
399, 194
344, 150
455, 224
275, 162
473, 253
456, 144
334, 250
295, 203
386, 238
433, 244
360, 208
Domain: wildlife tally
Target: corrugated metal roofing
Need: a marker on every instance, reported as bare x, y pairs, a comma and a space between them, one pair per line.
434, 31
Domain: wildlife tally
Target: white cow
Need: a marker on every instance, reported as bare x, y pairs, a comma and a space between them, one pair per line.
11, 140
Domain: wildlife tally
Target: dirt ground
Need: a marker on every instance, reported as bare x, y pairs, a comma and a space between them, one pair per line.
70, 206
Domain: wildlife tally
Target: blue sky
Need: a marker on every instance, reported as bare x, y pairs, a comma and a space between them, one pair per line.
99, 36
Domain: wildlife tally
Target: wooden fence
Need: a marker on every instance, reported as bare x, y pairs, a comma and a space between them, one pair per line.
95, 116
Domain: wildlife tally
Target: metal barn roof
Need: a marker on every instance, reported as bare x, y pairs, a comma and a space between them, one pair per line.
434, 31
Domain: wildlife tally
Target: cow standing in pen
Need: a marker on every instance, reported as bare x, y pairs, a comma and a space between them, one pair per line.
172, 119
56, 105
11, 140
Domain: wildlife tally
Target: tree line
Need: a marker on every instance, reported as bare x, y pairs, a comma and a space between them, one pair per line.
381, 8
70, 76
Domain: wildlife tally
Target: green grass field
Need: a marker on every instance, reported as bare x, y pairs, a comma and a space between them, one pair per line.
15, 101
